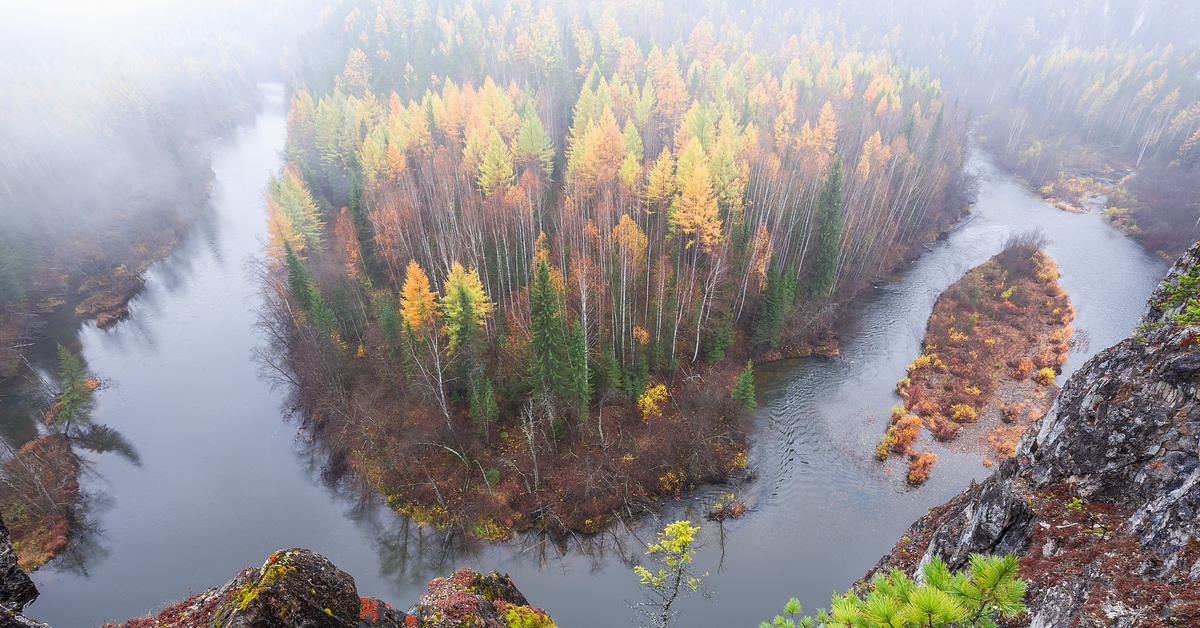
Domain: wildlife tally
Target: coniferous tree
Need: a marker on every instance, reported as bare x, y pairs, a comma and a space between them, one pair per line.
776, 306
73, 404
743, 389
580, 373
547, 334
823, 277
299, 277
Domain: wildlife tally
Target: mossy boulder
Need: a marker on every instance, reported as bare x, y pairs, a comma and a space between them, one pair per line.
469, 598
295, 588
300, 589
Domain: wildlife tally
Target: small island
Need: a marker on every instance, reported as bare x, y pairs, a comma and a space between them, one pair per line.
996, 340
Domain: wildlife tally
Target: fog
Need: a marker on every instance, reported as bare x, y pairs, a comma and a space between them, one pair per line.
105, 109
109, 110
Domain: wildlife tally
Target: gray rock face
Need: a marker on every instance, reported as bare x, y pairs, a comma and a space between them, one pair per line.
1107, 483
16, 589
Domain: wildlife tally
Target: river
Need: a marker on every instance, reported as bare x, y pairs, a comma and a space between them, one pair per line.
220, 480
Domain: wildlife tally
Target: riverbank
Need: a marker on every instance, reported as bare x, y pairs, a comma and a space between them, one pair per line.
39, 498
1146, 199
995, 341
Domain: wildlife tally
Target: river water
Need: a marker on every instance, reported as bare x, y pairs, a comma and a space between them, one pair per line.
220, 480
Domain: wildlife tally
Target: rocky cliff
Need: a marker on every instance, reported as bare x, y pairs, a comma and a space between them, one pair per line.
298, 588
1102, 499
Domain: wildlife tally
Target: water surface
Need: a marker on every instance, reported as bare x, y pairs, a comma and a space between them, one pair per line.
224, 481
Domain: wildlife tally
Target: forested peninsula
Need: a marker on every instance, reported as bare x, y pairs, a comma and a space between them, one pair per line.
515, 286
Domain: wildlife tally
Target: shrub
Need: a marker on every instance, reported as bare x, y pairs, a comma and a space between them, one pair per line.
963, 413
943, 429
919, 466
492, 476
881, 450
1044, 376
1024, 366
651, 403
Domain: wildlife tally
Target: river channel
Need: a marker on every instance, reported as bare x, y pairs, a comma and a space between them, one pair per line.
220, 480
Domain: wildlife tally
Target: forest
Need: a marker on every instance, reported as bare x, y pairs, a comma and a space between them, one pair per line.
517, 292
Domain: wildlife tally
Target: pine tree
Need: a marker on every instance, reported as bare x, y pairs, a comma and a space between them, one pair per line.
988, 589
548, 365
778, 299
299, 277
73, 404
823, 277
743, 389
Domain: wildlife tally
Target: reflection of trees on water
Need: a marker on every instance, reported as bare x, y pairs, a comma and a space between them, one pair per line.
26, 419
102, 439
87, 537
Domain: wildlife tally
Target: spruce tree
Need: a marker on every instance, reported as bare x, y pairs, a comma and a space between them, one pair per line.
73, 404
743, 389
299, 277
548, 364
580, 374
778, 299
823, 277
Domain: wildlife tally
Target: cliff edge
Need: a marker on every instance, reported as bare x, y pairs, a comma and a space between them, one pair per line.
1102, 498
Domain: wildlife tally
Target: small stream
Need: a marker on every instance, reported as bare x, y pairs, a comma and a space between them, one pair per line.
220, 481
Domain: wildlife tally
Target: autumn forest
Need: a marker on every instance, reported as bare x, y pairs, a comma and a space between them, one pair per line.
528, 285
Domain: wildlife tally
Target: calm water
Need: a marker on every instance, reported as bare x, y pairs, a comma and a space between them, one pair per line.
223, 481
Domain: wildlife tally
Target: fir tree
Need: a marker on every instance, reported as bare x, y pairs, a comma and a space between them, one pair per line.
299, 277
548, 336
580, 374
611, 369
483, 408
778, 299
743, 389
73, 404
823, 277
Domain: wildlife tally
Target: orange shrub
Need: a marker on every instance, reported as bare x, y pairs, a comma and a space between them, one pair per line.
1024, 366
919, 466
943, 429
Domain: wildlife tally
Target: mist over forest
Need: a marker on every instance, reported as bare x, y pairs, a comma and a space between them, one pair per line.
523, 269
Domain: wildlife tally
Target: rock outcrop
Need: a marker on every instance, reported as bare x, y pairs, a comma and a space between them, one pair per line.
1102, 499
16, 589
298, 588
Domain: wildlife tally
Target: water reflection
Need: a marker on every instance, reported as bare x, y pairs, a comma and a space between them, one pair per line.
223, 482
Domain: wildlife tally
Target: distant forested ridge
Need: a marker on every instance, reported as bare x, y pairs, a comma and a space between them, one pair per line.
521, 237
